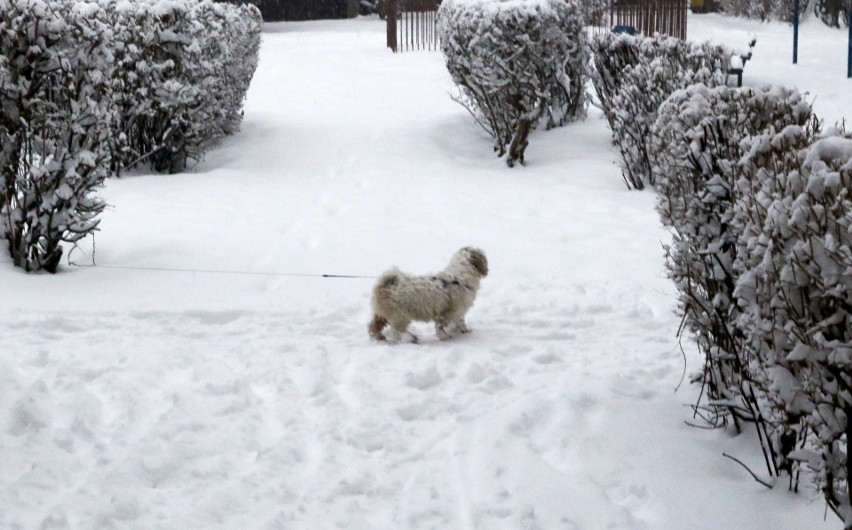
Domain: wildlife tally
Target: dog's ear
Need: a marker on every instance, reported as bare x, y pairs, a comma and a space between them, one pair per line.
479, 261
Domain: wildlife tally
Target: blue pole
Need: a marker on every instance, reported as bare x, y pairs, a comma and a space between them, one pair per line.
796, 32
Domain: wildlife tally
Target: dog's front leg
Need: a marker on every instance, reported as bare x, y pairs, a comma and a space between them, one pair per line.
404, 337
443, 330
456, 327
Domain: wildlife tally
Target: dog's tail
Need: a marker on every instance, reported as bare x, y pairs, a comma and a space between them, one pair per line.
387, 279
376, 326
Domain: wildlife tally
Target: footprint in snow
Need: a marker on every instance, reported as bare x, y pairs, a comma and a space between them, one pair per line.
424, 379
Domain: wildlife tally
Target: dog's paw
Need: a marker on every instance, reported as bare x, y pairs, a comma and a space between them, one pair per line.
402, 337
443, 333
453, 329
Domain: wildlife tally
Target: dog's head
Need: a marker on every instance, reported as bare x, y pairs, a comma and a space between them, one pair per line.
475, 258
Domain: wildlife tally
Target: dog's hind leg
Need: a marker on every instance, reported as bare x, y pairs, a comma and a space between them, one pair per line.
399, 332
404, 336
376, 326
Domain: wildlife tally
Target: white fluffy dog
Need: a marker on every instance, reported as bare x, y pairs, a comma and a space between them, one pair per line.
400, 298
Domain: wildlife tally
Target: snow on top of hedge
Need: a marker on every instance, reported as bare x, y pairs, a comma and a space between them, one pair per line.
826, 150
495, 4
157, 8
86, 9
492, 8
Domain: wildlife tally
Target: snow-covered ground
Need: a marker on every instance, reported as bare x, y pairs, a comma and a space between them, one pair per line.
136, 394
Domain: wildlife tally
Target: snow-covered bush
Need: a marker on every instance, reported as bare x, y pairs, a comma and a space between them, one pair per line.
90, 87
595, 12
372, 7
55, 117
834, 13
518, 63
696, 146
242, 2
760, 205
760, 9
611, 55
184, 70
632, 78
796, 297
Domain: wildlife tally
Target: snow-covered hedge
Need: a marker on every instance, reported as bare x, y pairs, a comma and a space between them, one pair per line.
372, 7
833, 13
183, 70
759, 201
518, 63
90, 87
632, 78
696, 146
595, 12
796, 295
760, 9
55, 125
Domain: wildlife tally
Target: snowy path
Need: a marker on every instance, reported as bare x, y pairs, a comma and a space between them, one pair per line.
171, 400
161, 416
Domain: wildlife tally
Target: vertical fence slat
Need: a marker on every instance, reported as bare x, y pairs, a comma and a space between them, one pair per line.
427, 30
391, 24
415, 25
431, 26
426, 43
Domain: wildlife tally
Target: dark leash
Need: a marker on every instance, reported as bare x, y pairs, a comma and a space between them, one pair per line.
219, 271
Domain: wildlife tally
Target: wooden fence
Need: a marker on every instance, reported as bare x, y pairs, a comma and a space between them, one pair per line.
667, 17
411, 24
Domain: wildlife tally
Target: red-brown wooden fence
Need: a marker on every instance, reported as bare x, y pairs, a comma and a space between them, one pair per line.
412, 24
667, 17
